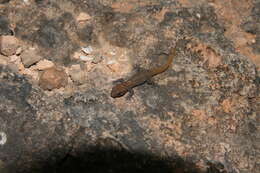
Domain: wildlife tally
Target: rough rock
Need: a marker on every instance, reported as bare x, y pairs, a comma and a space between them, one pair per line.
30, 57
200, 117
53, 78
8, 45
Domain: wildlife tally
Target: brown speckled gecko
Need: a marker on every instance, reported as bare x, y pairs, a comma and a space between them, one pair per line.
140, 78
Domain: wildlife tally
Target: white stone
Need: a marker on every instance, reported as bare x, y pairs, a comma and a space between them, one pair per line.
87, 50
86, 57
3, 138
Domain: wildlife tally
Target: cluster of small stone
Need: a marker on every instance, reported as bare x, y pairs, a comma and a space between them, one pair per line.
27, 61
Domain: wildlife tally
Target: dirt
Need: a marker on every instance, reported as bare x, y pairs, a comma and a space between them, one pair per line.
201, 115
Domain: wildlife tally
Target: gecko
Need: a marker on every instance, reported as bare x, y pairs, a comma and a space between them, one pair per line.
140, 78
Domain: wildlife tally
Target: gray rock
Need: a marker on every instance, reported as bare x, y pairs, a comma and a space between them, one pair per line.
30, 57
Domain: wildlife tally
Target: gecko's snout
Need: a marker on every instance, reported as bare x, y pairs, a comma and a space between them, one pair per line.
118, 91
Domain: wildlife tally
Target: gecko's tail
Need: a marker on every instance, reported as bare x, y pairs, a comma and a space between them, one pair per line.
172, 54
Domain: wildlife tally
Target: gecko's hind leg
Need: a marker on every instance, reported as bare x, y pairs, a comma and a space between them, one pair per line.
150, 81
130, 94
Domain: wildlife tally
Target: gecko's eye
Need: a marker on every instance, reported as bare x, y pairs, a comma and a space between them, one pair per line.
121, 93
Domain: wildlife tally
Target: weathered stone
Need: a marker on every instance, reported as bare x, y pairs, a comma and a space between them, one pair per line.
30, 57
53, 78
8, 45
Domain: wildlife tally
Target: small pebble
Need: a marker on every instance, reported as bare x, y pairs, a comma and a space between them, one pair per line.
83, 17
111, 62
86, 57
30, 57
3, 138
44, 64
53, 78
8, 45
87, 50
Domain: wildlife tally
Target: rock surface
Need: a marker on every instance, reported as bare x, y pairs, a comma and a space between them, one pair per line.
202, 115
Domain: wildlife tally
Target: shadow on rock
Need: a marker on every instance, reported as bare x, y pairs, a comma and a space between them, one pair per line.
99, 160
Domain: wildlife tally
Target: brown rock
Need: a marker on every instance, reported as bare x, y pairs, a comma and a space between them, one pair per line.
8, 45
30, 57
53, 78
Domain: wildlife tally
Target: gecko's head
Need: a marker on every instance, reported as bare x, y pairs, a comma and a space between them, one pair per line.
118, 91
